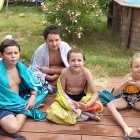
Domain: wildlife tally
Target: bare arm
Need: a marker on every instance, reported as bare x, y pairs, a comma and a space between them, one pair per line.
51, 70
127, 81
63, 79
52, 78
31, 101
137, 84
91, 84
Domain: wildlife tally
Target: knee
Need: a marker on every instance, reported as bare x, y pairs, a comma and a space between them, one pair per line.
13, 129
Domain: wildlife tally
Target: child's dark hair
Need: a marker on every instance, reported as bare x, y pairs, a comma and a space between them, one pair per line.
75, 50
6, 43
51, 29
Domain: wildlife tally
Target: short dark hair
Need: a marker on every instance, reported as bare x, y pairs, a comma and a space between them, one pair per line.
51, 29
6, 43
75, 50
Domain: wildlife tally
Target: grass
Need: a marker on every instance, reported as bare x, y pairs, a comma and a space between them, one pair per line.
104, 57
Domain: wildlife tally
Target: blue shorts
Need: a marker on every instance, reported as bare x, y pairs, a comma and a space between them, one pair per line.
4, 113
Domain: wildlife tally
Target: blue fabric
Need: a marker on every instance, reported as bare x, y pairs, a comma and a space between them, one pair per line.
105, 96
10, 100
4, 113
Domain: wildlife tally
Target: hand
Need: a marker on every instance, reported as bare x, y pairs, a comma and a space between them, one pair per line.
85, 105
80, 105
77, 104
52, 77
31, 102
129, 81
45, 69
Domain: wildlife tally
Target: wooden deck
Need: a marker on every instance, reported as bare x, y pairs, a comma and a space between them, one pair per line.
106, 129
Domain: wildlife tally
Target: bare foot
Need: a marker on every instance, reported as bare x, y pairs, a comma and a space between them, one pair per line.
128, 131
96, 118
139, 129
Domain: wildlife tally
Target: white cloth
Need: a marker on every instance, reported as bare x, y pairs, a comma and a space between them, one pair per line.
41, 58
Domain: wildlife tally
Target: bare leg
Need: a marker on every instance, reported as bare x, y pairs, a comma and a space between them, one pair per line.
137, 107
119, 104
12, 124
139, 129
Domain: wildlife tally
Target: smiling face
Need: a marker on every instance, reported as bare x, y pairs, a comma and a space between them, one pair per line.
76, 61
53, 41
136, 66
11, 55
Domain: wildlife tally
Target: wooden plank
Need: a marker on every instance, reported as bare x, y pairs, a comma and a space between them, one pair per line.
78, 129
135, 47
136, 41
125, 22
47, 102
125, 112
47, 136
110, 121
86, 137
134, 35
135, 19
5, 138
116, 23
136, 14
135, 24
136, 11
135, 29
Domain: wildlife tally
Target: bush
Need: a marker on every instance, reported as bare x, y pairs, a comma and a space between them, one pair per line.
75, 17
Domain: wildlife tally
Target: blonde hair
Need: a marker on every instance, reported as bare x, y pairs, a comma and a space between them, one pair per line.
136, 55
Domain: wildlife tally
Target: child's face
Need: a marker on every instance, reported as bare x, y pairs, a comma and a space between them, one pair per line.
76, 61
11, 55
53, 41
136, 67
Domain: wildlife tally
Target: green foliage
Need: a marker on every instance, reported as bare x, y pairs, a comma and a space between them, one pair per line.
75, 17
104, 57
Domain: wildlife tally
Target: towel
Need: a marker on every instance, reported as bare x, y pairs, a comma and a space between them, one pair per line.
105, 96
63, 111
12, 101
41, 58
